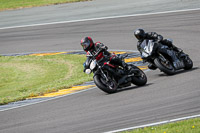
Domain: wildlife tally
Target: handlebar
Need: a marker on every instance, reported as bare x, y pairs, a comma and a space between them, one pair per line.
97, 53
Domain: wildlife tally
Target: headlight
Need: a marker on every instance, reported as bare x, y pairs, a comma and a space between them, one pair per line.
87, 71
144, 54
93, 64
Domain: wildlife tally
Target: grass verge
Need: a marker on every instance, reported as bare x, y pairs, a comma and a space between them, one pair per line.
26, 76
18, 4
186, 126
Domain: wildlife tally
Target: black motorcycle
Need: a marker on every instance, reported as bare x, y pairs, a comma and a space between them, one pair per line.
109, 77
150, 53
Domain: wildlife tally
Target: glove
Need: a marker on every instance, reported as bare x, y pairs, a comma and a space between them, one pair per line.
160, 38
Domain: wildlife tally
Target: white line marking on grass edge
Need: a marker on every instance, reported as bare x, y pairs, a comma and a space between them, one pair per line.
101, 18
153, 124
47, 99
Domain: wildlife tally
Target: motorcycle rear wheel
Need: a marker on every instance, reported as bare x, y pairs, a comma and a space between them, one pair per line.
139, 78
188, 63
100, 82
165, 66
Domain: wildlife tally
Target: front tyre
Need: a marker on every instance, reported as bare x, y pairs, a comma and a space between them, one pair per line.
165, 66
108, 87
139, 77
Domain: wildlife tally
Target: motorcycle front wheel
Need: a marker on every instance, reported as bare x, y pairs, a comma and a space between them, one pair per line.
165, 66
108, 87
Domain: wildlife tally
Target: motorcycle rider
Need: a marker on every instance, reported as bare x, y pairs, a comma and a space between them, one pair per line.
165, 45
88, 45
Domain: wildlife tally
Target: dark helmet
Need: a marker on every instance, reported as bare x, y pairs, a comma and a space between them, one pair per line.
87, 43
139, 34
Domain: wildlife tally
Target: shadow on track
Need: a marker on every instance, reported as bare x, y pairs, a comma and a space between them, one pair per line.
133, 87
180, 72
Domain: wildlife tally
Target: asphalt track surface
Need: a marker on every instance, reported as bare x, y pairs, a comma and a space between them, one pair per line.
163, 98
90, 9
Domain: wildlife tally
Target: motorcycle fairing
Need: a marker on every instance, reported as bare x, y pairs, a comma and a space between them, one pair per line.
147, 48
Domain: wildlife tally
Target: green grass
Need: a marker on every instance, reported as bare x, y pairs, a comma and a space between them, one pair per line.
16, 4
186, 126
25, 76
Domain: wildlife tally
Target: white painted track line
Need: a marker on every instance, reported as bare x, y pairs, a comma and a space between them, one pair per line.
101, 18
153, 124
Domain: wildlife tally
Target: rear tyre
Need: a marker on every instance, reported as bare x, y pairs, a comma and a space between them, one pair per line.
108, 87
139, 77
165, 66
188, 63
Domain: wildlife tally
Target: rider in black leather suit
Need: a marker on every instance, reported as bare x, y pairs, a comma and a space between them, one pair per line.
165, 45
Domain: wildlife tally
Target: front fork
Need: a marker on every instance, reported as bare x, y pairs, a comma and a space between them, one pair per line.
100, 68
